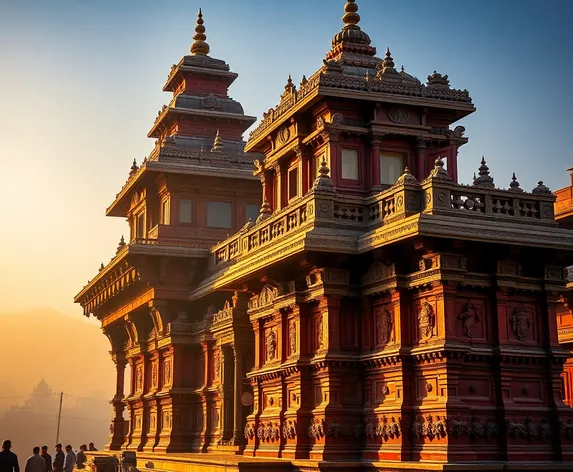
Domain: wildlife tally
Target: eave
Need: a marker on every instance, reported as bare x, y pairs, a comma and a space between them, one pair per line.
180, 69
139, 247
173, 166
168, 112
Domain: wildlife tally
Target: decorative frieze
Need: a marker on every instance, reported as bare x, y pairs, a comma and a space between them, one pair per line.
269, 432
384, 428
430, 427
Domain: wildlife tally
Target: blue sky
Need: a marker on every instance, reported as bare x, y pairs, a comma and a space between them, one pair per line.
80, 86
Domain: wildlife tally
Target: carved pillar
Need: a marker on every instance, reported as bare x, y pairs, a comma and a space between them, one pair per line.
280, 193
238, 433
118, 424
420, 171
376, 143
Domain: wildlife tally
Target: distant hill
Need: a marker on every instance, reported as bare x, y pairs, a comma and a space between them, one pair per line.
70, 354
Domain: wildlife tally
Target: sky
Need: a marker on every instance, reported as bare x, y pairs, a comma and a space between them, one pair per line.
80, 86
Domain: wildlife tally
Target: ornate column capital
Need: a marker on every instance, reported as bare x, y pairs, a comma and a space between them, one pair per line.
421, 143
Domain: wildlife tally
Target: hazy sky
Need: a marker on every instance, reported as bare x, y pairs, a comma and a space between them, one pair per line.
80, 86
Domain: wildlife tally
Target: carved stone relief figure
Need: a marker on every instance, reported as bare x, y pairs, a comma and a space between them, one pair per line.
139, 378
154, 374
271, 343
167, 372
217, 364
320, 332
426, 320
292, 337
470, 318
383, 326
520, 323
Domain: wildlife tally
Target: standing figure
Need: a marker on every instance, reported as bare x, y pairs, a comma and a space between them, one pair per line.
47, 458
92, 447
81, 457
35, 462
70, 461
59, 459
8, 460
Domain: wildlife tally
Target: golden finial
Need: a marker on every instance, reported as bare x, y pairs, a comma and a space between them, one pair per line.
351, 17
217, 143
200, 47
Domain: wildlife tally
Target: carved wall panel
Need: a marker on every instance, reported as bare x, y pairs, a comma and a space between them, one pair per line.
425, 318
522, 323
427, 387
471, 320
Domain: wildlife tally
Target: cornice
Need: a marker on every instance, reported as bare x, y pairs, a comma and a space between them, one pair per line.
213, 114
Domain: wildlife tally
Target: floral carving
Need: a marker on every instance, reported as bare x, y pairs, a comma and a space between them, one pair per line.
566, 429
336, 429
520, 323
430, 428
470, 318
377, 273
316, 429
292, 337
289, 430
269, 432
529, 429
283, 135
211, 102
383, 326
271, 343
249, 431
473, 428
385, 429
426, 320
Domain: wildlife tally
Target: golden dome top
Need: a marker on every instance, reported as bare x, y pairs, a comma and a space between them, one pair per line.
351, 32
200, 47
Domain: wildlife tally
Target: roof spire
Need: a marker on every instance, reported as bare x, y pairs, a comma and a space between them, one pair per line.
351, 17
200, 47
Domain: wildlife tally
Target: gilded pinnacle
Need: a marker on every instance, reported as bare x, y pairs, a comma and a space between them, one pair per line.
218, 145
351, 17
200, 47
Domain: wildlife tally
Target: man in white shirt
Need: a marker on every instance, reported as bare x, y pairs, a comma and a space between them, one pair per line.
35, 463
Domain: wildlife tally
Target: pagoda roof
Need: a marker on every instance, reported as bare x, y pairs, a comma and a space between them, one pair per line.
352, 70
171, 157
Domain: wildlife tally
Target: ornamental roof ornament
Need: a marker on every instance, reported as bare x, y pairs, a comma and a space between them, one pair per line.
265, 212
290, 88
200, 47
541, 189
438, 172
323, 182
484, 179
351, 32
407, 178
133, 169
514, 185
218, 145
121, 244
437, 80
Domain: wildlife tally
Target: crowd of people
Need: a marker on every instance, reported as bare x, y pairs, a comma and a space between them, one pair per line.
41, 461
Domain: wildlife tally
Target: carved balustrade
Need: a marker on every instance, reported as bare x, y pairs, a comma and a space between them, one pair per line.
407, 198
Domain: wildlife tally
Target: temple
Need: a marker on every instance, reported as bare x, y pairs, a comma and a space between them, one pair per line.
327, 295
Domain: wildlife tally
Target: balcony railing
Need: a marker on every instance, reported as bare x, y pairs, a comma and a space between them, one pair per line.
436, 195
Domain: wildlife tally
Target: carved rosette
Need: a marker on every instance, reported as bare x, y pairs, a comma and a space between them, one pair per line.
469, 318
426, 320
520, 323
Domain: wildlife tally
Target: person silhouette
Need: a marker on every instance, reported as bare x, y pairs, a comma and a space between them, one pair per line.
8, 460
35, 462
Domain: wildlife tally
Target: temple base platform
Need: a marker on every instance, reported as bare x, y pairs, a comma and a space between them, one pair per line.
108, 462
